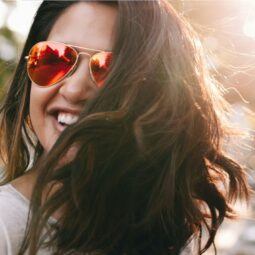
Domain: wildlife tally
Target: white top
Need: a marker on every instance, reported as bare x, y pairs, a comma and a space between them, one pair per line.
13, 218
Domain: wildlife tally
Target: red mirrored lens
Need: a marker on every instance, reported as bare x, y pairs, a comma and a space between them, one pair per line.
50, 62
100, 66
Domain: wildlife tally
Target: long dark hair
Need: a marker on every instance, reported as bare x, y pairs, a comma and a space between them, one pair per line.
150, 162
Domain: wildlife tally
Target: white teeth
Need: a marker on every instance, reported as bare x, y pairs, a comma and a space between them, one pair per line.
67, 118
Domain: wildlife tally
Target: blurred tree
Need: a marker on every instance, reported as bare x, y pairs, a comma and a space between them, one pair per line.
9, 45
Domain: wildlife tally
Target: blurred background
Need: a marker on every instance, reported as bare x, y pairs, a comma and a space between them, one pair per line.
227, 32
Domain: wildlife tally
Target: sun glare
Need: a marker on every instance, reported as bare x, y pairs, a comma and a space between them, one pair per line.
249, 24
19, 22
3, 13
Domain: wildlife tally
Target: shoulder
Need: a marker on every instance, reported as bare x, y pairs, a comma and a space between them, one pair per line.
5, 240
13, 217
12, 204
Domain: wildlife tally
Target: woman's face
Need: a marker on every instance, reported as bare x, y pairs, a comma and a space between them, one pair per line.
85, 24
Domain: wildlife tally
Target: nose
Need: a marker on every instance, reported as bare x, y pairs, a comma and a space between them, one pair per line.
79, 86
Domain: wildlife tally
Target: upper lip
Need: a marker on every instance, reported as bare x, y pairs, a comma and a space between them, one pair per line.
56, 109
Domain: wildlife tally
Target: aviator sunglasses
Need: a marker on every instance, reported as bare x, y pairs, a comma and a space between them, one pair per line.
50, 62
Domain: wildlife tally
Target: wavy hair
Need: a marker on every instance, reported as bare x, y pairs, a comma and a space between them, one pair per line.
150, 162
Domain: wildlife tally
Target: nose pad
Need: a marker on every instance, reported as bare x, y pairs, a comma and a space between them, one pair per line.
78, 86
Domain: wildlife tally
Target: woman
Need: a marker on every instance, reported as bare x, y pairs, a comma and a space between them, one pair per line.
112, 134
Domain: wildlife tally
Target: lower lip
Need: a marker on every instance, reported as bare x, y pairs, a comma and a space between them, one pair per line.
58, 126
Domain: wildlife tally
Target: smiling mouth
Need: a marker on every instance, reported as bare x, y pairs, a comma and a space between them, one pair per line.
66, 119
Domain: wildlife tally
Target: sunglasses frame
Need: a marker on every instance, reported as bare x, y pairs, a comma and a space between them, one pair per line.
75, 48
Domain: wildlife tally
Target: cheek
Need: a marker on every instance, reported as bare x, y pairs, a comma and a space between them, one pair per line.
39, 101
40, 98
37, 104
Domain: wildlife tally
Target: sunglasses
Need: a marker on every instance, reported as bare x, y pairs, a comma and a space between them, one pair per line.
50, 62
